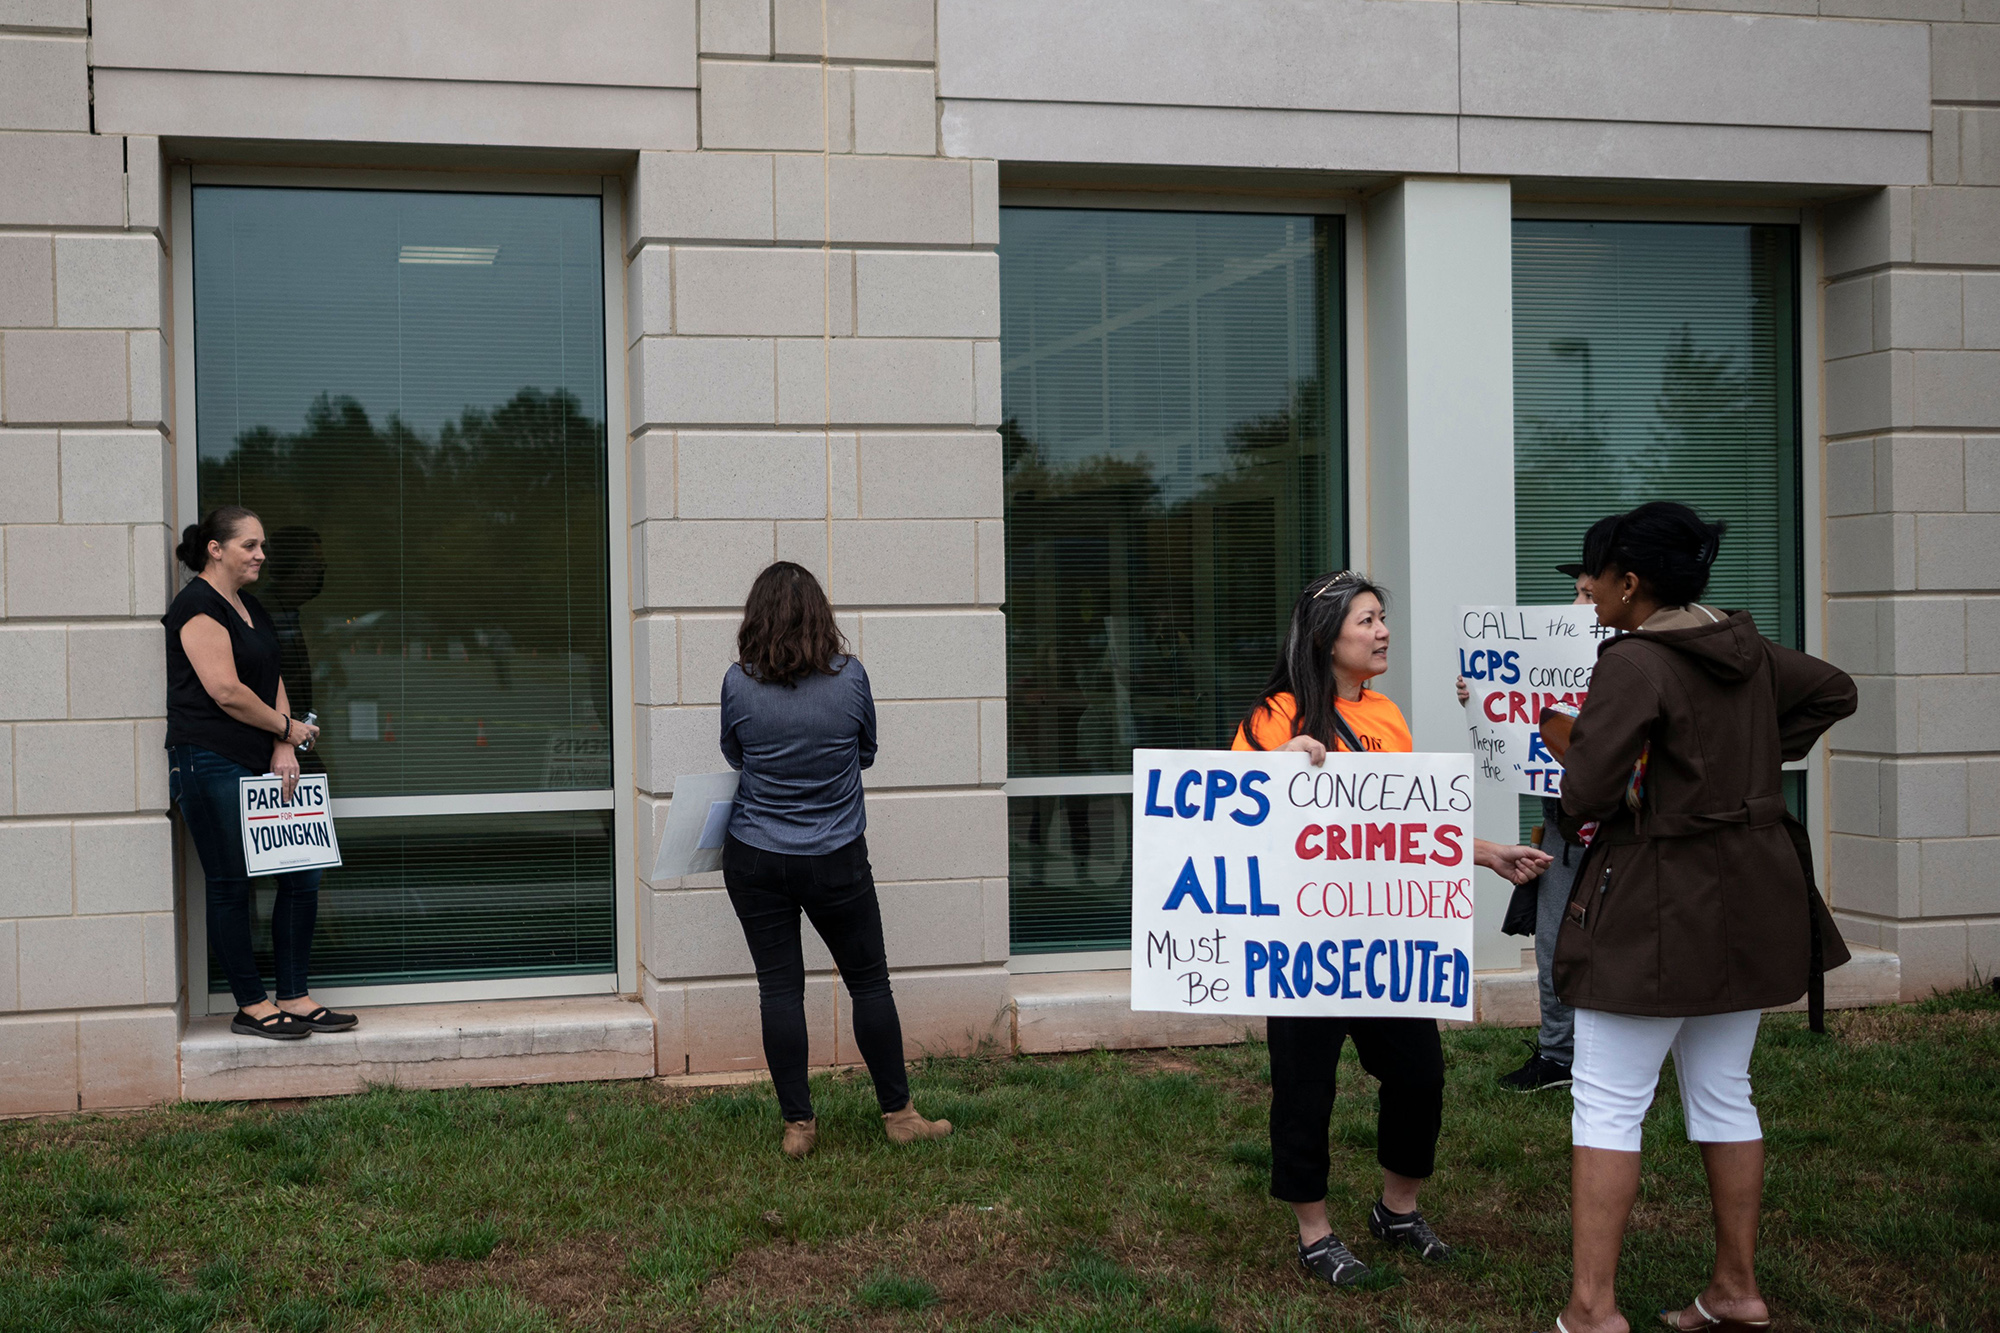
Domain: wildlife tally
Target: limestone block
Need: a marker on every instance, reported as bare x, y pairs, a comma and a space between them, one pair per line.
1960, 876
757, 104
895, 111
62, 180
656, 660
1978, 146
985, 202
1850, 477
878, 200
927, 294
993, 893
729, 291
1982, 306
36, 871
1873, 392
145, 184
114, 476
108, 282
935, 654
768, 475
146, 365
1854, 798
876, 381
1954, 713
1851, 642
992, 562
701, 197
992, 741
673, 741
6, 770
954, 1011
64, 375
27, 282
735, 28
931, 476
1944, 145
702, 381
934, 925
1982, 473
1919, 472
68, 571
1872, 553
1933, 955
702, 564
653, 475
1885, 721
1954, 224
128, 1058
689, 934
152, 561
38, 1065
724, 1034
149, 737
1914, 309
57, 15
44, 83
1965, 62
903, 30
1923, 798
1850, 318
163, 973
986, 383
124, 865
1874, 876
668, 1005
905, 561
1921, 635
708, 646
10, 990
74, 768
1958, 551
1868, 231
82, 962
1957, 388
805, 544
649, 291
799, 201
31, 673
1081, 1011
1983, 792
1982, 634
937, 835
925, 743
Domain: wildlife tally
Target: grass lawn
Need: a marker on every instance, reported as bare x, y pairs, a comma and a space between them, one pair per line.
1088, 1192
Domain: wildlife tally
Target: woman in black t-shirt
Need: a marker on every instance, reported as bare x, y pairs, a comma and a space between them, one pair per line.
228, 718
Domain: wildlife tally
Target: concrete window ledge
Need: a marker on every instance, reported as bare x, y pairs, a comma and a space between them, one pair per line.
482, 1044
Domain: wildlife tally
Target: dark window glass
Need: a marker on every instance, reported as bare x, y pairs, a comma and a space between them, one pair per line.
408, 388
1172, 413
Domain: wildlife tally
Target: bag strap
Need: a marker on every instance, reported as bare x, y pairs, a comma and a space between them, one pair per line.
1344, 733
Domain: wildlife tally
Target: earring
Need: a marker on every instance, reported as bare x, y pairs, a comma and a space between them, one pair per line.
1628, 599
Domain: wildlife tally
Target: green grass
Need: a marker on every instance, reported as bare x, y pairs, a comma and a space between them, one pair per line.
1080, 1193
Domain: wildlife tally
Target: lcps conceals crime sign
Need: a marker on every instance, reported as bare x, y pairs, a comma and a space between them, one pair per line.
1264, 885
281, 835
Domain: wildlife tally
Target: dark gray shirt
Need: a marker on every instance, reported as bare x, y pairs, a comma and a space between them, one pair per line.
801, 748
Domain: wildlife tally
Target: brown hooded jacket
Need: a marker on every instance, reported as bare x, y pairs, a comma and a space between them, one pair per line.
1696, 902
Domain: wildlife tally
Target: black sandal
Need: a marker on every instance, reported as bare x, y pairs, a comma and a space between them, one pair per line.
279, 1026
324, 1019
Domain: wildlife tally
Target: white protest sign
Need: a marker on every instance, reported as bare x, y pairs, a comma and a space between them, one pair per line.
1516, 661
280, 836
697, 824
1263, 885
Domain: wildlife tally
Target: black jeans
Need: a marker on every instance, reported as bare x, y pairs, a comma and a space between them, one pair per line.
836, 891
203, 784
1404, 1053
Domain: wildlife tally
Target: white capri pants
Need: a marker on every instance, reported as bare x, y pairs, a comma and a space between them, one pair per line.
1617, 1069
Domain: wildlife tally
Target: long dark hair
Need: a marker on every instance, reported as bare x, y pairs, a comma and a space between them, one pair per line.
788, 630
1670, 547
220, 524
1304, 668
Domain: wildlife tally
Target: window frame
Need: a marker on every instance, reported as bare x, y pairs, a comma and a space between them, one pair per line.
1352, 468
619, 798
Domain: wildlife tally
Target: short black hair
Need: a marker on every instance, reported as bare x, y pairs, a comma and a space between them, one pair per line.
1669, 546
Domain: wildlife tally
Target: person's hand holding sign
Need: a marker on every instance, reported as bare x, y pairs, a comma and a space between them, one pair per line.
1309, 747
1555, 731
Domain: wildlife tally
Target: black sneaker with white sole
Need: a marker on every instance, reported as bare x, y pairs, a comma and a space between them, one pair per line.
1328, 1259
1408, 1229
1537, 1075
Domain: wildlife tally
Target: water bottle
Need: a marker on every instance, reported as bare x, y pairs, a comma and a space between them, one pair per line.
312, 720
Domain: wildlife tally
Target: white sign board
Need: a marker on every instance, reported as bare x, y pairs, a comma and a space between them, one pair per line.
697, 823
281, 836
1263, 885
1516, 661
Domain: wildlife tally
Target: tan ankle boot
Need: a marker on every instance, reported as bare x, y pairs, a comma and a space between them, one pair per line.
800, 1136
906, 1126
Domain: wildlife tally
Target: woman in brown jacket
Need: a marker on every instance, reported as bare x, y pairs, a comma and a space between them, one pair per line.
1692, 911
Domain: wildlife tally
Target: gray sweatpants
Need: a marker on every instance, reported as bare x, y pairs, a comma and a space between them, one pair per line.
1558, 1035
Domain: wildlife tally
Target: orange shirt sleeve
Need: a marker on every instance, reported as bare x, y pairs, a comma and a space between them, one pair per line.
1273, 725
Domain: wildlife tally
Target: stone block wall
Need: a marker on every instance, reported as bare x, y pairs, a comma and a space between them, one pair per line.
1912, 468
814, 370
90, 978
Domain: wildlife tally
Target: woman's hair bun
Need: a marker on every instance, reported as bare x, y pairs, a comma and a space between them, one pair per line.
1669, 546
218, 525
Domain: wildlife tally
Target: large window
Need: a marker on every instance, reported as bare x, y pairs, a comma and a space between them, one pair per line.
1659, 361
409, 389
1172, 406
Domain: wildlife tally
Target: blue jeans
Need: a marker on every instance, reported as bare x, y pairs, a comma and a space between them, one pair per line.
203, 784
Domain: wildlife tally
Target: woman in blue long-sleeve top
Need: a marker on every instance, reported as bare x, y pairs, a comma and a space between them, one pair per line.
798, 719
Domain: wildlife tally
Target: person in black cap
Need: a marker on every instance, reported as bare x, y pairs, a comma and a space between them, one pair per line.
1548, 1063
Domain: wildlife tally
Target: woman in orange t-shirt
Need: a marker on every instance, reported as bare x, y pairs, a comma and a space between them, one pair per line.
1337, 643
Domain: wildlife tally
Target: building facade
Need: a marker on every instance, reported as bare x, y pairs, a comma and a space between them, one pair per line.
1062, 342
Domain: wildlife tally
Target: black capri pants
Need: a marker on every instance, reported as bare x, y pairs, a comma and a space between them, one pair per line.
1404, 1053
